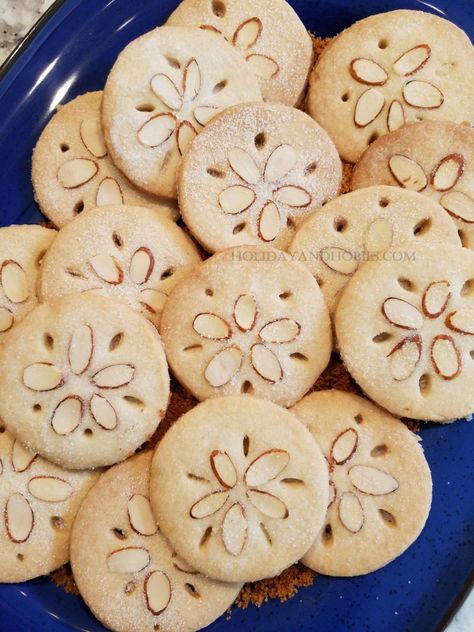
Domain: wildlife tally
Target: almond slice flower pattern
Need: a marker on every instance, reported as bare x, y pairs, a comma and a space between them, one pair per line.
264, 468
14, 285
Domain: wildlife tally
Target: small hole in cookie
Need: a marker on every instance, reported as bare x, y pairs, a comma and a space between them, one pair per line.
340, 224
205, 536
406, 284
120, 534
238, 228
284, 296
471, 353
266, 533
463, 238
79, 207
319, 280
382, 337
20, 557
388, 517
260, 140
372, 137
345, 97
173, 62
419, 117
290, 223
245, 445
208, 292
2, 429
117, 239
145, 107
422, 227
383, 43
299, 356
219, 86
64, 147
134, 401
57, 522
311, 168
74, 273
384, 202
39, 258
292, 481
424, 383
192, 590
167, 274
326, 535
358, 419
247, 388
218, 8
379, 450
196, 347
130, 588
37, 408
48, 342
88, 432
467, 288
195, 477
215, 173
116, 341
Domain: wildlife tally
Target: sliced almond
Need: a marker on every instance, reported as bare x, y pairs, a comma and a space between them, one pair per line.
294, 196
266, 363
395, 116
280, 330
368, 71
223, 468
245, 312
184, 136
412, 60
131, 559
81, 348
351, 513
268, 504
435, 298
166, 90
404, 357
208, 505
50, 489
379, 235
77, 172
204, 113
459, 205
153, 300
42, 376
109, 192
368, 107
446, 357
263, 66
191, 80
247, 33
339, 259
269, 222
103, 412
236, 199
211, 326
14, 281
401, 313
114, 376
22, 458
407, 173
19, 518
92, 137
242, 163
447, 172
223, 366
141, 516
371, 480
280, 162
67, 415
422, 94
6, 319
157, 592
157, 129
107, 269
344, 446
141, 265
462, 321
234, 529
266, 467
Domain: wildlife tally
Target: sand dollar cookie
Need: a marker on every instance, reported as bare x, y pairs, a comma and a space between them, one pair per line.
22, 249
268, 34
380, 484
254, 174
248, 320
85, 381
360, 226
124, 568
127, 253
72, 170
186, 76
387, 70
38, 504
405, 328
435, 158
239, 487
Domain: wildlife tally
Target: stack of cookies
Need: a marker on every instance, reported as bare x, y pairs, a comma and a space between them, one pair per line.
269, 271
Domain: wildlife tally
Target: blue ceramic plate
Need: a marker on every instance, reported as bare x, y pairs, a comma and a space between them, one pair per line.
70, 52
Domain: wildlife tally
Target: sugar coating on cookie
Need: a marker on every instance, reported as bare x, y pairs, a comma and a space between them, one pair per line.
248, 320
380, 484
254, 174
360, 226
268, 34
127, 253
387, 70
185, 77
405, 328
435, 158
22, 249
72, 170
124, 568
85, 381
233, 484
38, 505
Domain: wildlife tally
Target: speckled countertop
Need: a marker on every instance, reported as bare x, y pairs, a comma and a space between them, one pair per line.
16, 18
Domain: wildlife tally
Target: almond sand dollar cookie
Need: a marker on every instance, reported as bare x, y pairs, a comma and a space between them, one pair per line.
405, 328
72, 170
127, 253
361, 226
124, 568
248, 320
163, 88
387, 70
38, 504
254, 174
85, 381
268, 34
239, 487
22, 249
380, 484
435, 158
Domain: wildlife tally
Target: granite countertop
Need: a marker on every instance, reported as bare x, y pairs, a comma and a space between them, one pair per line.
16, 18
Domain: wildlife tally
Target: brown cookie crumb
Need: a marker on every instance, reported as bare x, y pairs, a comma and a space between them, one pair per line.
282, 587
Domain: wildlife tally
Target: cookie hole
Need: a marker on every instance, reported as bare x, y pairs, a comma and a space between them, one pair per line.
463, 238
79, 207
208, 292
156, 627
120, 534
116, 341
384, 202
422, 227
311, 168
57, 522
246, 445
299, 356
219, 86
471, 353
345, 97
284, 296
215, 173
88, 432
379, 450
48, 342
266, 533
39, 258
2, 429
326, 535
134, 401
20, 557
205, 536
319, 280
195, 477
406, 284
74, 273
388, 517
192, 590
419, 117
424, 383
340, 224
290, 223
358, 419
37, 408
130, 588
292, 481
260, 140
247, 388
382, 337
239, 228
196, 347
145, 107
372, 137
218, 8
117, 239
64, 147
167, 274
383, 43
467, 288
173, 62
